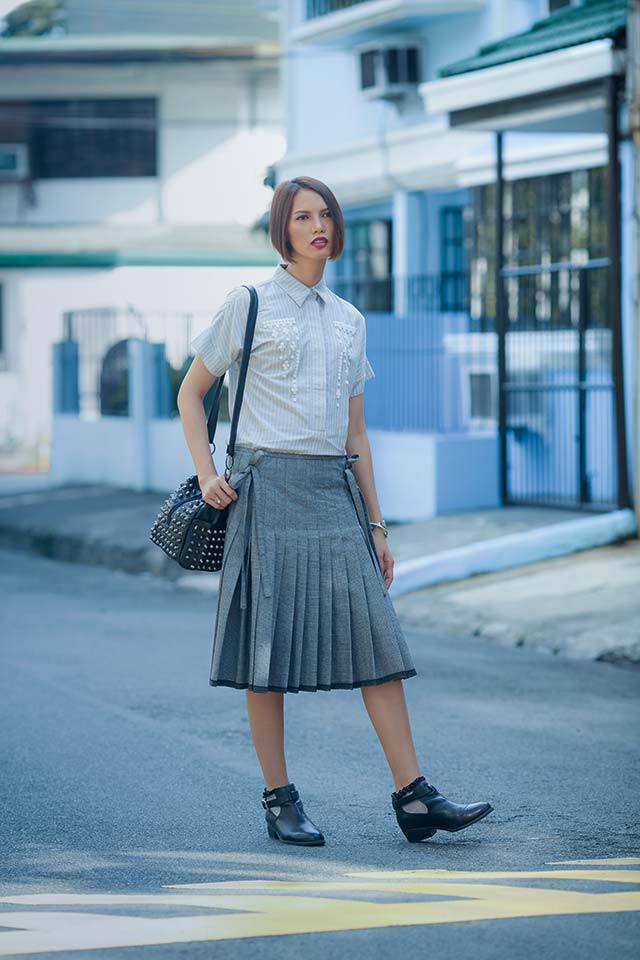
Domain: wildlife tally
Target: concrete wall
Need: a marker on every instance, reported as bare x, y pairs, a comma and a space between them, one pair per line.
101, 451
417, 475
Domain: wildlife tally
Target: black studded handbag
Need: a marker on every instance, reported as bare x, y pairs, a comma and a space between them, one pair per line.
187, 528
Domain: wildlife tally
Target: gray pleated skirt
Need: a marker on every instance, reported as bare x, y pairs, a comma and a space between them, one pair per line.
302, 603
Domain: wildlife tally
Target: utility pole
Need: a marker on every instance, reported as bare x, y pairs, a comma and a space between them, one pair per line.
633, 101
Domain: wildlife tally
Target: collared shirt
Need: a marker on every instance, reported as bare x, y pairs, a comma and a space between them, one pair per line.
307, 358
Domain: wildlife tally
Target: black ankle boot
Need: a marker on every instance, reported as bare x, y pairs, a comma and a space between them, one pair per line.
421, 810
286, 819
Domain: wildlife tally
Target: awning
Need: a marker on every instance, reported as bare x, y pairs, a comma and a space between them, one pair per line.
549, 78
561, 91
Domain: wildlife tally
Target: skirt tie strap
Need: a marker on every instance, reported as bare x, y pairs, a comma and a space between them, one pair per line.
361, 510
247, 531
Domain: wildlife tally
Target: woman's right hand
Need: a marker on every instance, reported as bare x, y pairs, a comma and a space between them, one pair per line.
217, 492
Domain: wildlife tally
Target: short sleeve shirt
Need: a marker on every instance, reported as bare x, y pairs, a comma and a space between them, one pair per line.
307, 358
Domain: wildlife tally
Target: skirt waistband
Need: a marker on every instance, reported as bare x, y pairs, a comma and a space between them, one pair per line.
273, 452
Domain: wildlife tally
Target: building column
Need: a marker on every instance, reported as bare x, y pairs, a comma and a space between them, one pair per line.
142, 359
406, 245
66, 393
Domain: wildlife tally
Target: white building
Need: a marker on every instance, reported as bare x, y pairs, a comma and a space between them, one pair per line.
133, 152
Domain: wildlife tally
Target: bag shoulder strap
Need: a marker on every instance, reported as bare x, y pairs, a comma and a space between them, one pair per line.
212, 420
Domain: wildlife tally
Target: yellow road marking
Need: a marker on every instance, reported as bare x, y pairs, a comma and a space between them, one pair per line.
271, 908
611, 862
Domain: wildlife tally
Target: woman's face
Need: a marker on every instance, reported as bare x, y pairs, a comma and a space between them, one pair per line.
310, 220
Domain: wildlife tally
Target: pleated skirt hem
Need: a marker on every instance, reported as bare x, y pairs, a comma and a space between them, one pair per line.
401, 675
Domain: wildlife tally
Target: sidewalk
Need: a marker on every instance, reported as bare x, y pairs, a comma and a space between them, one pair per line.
110, 527
586, 604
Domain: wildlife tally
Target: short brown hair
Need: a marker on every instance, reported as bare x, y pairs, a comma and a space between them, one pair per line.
282, 204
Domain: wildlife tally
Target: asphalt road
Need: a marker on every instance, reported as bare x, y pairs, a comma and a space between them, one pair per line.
131, 820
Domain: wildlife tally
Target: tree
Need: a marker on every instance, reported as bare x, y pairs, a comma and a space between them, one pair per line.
36, 18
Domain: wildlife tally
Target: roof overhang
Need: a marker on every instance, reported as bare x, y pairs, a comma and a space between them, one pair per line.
139, 245
131, 48
545, 92
375, 15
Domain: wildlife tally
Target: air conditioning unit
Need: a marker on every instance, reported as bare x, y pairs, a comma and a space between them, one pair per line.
14, 161
389, 69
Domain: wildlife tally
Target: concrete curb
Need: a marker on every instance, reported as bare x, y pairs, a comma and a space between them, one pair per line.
512, 550
76, 549
484, 556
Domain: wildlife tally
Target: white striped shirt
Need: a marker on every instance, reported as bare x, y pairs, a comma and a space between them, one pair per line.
308, 357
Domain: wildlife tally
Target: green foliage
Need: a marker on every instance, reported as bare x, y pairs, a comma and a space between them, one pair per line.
37, 18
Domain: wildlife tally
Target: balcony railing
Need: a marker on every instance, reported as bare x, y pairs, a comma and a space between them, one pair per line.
318, 8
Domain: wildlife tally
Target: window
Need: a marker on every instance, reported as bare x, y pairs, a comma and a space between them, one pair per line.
94, 138
453, 273
480, 228
88, 138
364, 270
560, 218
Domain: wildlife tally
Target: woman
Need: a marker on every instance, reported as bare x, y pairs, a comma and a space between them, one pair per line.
303, 600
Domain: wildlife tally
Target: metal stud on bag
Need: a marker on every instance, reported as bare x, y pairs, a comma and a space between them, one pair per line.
187, 528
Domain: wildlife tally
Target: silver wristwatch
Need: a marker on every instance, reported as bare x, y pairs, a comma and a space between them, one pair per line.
381, 524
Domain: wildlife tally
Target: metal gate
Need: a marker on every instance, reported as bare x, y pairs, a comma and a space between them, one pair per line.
561, 415
557, 384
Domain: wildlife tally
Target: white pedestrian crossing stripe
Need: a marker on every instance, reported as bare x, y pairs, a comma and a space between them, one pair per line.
273, 908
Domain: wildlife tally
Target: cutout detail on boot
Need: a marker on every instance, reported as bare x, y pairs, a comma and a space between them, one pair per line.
415, 806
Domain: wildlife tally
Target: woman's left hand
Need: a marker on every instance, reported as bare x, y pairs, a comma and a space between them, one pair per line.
384, 555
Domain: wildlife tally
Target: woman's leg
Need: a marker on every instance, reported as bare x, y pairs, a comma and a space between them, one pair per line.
387, 709
266, 719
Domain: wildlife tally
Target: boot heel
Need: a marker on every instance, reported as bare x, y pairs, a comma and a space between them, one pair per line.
272, 832
415, 834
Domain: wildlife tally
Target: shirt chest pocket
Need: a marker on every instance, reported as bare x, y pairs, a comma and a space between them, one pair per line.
345, 342
280, 346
